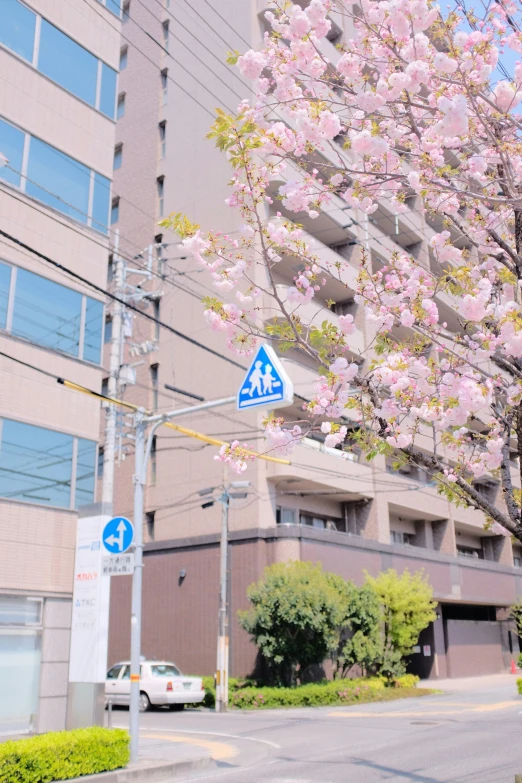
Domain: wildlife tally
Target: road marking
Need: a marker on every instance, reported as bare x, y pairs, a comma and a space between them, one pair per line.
210, 734
219, 751
503, 705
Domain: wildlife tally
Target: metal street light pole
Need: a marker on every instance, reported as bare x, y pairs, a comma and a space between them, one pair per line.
222, 642
142, 455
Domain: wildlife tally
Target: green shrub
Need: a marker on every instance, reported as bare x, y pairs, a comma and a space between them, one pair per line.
63, 755
519, 662
310, 695
519, 686
406, 681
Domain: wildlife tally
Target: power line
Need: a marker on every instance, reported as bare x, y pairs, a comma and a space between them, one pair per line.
169, 54
232, 72
223, 20
150, 60
118, 299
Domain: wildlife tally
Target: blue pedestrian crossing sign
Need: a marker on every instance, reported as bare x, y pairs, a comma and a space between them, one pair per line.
117, 535
266, 383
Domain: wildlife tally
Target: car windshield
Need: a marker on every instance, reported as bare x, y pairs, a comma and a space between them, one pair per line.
164, 670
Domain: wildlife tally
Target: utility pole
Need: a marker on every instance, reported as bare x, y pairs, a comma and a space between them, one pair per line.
109, 451
222, 642
142, 455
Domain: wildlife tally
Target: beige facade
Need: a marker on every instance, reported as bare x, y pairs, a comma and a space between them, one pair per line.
59, 64
326, 506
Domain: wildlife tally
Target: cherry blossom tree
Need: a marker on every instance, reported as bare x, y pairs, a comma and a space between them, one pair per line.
413, 110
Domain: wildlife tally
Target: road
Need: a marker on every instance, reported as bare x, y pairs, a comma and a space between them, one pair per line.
471, 736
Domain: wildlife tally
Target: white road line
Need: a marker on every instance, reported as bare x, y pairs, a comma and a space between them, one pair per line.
208, 733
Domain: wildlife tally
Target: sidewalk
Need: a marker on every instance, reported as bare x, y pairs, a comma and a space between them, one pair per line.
484, 683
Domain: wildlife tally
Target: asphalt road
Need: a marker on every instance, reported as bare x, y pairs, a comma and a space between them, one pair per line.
464, 737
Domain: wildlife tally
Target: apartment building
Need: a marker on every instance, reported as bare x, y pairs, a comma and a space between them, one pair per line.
59, 64
328, 505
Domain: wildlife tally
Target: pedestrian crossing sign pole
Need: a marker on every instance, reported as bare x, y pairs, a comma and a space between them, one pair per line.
266, 384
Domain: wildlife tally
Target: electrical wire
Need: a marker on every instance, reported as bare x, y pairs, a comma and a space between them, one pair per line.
223, 20
187, 92
115, 298
212, 54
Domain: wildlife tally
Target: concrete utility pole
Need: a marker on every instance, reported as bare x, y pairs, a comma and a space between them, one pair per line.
109, 451
142, 456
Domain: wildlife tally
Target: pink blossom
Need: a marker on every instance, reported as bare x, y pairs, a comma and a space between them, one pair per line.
251, 64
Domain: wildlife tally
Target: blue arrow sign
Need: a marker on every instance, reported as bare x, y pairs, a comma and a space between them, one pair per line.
117, 535
266, 383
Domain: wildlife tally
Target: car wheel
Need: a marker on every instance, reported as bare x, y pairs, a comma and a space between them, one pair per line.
144, 702
177, 707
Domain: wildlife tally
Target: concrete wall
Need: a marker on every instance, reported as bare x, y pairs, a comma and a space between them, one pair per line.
54, 670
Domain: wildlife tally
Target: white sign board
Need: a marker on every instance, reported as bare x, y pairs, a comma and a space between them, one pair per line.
115, 565
426, 650
90, 610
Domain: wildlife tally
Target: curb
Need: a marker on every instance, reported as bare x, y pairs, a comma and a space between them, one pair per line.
148, 771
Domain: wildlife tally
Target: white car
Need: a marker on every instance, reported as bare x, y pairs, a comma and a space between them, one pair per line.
161, 683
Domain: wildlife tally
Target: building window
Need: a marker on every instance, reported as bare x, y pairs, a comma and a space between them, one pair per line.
164, 86
118, 155
54, 178
105, 387
123, 57
165, 27
17, 30
398, 537
50, 314
38, 465
322, 523
161, 195
113, 5
58, 57
110, 269
285, 516
154, 377
120, 108
163, 138
149, 521
153, 461
101, 454
115, 211
107, 334
467, 551
126, 11
20, 656
517, 562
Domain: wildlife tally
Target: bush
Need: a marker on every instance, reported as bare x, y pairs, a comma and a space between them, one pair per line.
519, 662
519, 686
311, 695
63, 755
406, 681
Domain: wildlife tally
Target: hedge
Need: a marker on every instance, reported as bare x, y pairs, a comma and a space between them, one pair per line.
244, 694
519, 686
63, 755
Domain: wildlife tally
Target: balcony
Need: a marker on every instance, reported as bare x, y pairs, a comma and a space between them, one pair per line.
313, 314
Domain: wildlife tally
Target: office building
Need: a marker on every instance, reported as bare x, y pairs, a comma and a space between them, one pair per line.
328, 505
59, 64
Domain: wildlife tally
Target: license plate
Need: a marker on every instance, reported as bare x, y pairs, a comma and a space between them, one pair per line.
187, 685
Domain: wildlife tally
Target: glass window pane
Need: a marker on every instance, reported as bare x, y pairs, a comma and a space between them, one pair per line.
5, 282
115, 212
67, 63
19, 680
47, 313
108, 91
17, 28
12, 146
114, 6
85, 472
100, 203
118, 156
93, 331
123, 58
120, 110
114, 673
35, 464
17, 610
61, 182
